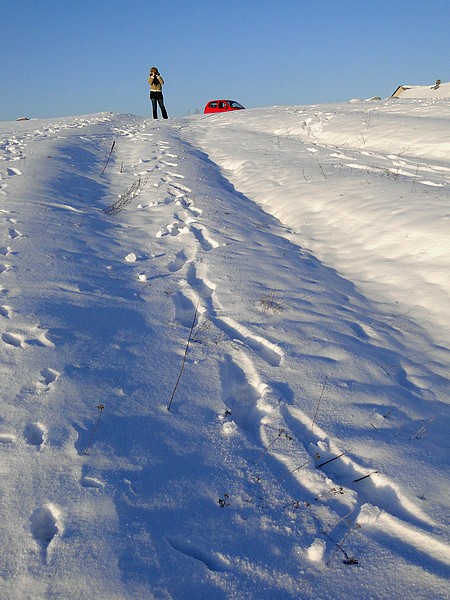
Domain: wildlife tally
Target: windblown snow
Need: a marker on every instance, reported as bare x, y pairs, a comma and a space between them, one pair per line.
279, 279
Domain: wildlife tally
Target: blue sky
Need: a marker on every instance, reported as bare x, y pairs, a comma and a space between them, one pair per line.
68, 57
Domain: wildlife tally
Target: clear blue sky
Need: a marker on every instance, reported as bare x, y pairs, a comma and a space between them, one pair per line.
69, 57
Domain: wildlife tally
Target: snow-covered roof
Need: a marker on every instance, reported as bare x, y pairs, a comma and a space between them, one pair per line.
423, 91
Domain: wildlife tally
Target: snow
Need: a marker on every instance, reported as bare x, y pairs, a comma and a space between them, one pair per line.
427, 91
278, 276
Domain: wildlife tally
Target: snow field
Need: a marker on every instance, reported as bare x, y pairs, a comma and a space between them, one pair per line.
306, 447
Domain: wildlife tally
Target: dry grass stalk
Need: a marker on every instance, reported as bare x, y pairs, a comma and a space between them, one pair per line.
184, 357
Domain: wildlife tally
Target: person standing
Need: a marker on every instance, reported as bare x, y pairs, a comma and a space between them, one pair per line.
156, 96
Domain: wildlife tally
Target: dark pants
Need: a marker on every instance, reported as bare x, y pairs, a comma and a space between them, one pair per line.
157, 98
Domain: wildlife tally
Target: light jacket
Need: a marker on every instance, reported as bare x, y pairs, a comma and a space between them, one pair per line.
156, 87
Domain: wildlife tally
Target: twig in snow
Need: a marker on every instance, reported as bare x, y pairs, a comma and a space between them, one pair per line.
364, 477
349, 560
318, 402
322, 171
126, 197
385, 416
296, 504
337, 523
100, 408
330, 460
421, 431
413, 185
336, 490
109, 156
184, 357
293, 471
279, 434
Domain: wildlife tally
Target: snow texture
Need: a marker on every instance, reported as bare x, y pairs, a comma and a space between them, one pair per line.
278, 277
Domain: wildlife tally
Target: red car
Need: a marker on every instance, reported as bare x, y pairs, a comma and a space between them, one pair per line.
218, 106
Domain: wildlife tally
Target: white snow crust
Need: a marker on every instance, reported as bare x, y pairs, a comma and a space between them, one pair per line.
279, 278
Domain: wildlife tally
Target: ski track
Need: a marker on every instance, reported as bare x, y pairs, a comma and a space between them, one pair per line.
289, 449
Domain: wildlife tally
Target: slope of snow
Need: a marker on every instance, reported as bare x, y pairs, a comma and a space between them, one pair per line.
278, 277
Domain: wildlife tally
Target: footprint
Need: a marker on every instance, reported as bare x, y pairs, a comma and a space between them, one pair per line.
48, 377
196, 212
162, 233
377, 489
213, 560
184, 309
176, 228
176, 193
240, 393
34, 434
181, 200
39, 338
172, 229
268, 351
176, 175
204, 289
13, 234
13, 340
19, 340
180, 187
178, 263
205, 241
12, 171
45, 525
92, 482
358, 330
5, 311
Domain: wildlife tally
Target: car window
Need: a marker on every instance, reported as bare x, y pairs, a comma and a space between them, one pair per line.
234, 104
213, 105
223, 105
